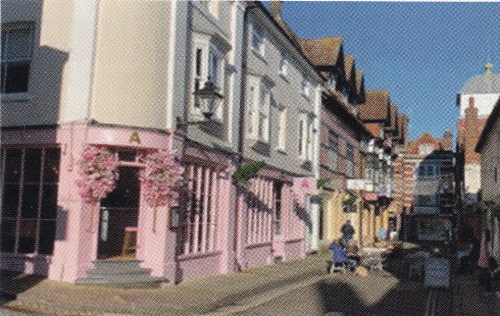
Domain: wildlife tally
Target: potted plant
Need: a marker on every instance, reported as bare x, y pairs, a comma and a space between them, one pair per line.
349, 203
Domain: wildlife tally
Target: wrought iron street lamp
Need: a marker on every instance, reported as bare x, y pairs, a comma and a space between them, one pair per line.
207, 98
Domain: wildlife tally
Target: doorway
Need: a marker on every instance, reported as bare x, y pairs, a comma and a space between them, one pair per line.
118, 211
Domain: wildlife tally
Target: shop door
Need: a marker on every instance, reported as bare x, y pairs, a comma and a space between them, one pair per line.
119, 210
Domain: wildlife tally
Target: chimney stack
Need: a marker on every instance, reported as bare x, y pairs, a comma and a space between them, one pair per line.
447, 141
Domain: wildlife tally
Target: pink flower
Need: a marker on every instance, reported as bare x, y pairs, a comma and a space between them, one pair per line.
98, 172
160, 178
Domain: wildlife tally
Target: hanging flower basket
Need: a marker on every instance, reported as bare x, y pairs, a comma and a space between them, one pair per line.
160, 179
98, 173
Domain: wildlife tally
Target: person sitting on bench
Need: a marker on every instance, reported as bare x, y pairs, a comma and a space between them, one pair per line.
339, 256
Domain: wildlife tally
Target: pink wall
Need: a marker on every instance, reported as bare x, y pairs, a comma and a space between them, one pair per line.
77, 246
258, 255
198, 266
158, 248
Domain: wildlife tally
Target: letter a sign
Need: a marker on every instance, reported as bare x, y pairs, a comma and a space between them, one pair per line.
134, 138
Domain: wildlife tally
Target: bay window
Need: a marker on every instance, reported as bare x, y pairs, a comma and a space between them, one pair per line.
209, 60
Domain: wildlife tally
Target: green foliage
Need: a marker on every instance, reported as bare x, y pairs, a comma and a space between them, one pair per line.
244, 173
321, 183
351, 200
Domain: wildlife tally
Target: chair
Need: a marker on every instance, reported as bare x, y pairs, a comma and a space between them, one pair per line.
129, 241
338, 267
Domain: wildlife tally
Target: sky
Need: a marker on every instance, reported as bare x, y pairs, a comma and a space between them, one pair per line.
422, 52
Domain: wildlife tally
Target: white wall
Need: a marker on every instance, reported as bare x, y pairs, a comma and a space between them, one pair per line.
483, 102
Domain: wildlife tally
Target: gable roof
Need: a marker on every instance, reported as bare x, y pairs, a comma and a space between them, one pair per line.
402, 127
376, 106
360, 82
425, 138
322, 51
393, 112
349, 67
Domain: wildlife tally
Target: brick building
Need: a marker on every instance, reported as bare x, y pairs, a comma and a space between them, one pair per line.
476, 101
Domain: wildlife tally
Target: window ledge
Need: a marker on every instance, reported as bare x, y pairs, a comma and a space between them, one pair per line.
198, 255
284, 77
18, 96
282, 151
306, 96
259, 55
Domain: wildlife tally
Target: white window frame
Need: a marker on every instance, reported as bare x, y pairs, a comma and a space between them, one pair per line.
284, 68
264, 114
6, 29
425, 149
214, 7
200, 225
259, 108
209, 50
306, 137
282, 124
306, 88
258, 41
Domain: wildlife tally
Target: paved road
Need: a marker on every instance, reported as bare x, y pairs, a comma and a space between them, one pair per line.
353, 295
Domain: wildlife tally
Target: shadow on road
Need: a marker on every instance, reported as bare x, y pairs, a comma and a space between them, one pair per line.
390, 293
13, 283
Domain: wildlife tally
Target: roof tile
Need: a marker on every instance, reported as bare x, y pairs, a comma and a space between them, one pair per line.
376, 106
322, 51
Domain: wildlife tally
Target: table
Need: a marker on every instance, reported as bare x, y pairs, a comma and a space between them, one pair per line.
373, 258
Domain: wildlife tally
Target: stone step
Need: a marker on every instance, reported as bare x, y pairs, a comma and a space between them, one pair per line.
118, 270
120, 273
102, 274
149, 283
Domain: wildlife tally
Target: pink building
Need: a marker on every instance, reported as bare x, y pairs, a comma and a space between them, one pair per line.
90, 131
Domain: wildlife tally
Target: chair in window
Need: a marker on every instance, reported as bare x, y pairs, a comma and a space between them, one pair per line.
129, 241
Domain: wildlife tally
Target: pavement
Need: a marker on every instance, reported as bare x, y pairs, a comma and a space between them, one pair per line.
215, 295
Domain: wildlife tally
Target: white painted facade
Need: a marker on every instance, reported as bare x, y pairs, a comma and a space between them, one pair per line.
483, 102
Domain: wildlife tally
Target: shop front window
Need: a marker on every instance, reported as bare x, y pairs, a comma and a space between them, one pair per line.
29, 199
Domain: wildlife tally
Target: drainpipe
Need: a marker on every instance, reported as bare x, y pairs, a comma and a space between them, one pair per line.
241, 130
